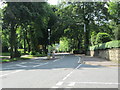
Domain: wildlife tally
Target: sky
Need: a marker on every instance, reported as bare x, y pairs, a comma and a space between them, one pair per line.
53, 2
0, 4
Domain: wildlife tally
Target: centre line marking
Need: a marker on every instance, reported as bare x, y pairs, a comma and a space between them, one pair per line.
67, 75
71, 72
78, 66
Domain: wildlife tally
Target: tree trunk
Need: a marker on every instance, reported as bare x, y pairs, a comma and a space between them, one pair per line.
87, 36
12, 33
79, 44
28, 42
24, 33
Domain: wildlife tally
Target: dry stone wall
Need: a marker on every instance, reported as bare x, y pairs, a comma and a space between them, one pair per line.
109, 54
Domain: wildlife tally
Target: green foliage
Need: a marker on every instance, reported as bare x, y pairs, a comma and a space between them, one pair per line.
17, 54
108, 45
117, 32
93, 38
102, 38
32, 53
6, 54
39, 55
64, 45
25, 25
113, 8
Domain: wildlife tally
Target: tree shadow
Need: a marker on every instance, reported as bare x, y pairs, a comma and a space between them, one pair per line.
66, 64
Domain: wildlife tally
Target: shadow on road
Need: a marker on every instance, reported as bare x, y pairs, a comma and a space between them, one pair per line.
67, 63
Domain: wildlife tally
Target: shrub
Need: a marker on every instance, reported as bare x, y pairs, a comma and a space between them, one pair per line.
17, 54
117, 32
102, 38
76, 51
93, 38
108, 45
5, 49
32, 53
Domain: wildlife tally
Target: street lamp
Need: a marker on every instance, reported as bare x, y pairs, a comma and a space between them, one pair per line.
48, 44
85, 38
49, 36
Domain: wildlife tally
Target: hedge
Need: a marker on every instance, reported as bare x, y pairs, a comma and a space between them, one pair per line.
102, 38
108, 45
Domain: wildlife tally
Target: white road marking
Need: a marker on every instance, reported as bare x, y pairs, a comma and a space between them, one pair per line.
67, 88
5, 68
78, 66
71, 72
56, 60
40, 65
67, 75
20, 70
10, 68
11, 73
34, 62
20, 65
54, 87
23, 63
109, 83
71, 84
79, 59
59, 83
55, 69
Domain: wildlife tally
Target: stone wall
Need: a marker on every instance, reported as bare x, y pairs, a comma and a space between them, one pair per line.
109, 54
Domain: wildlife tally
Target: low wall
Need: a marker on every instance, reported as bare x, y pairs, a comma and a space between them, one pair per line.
110, 54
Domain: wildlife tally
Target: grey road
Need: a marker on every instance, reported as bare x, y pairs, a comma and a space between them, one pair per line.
64, 72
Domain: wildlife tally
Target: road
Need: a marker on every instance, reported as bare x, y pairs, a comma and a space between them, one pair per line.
64, 72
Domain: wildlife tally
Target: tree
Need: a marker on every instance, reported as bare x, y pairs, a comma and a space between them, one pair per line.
75, 15
27, 22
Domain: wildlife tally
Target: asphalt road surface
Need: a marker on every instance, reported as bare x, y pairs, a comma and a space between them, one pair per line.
64, 72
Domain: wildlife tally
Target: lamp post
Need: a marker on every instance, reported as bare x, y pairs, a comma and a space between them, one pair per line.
49, 36
85, 44
48, 44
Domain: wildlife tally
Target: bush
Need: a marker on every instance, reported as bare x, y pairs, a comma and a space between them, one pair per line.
102, 38
32, 53
76, 52
117, 32
17, 54
5, 49
108, 45
93, 38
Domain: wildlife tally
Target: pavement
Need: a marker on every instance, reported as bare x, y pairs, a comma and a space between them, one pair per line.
98, 61
63, 72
